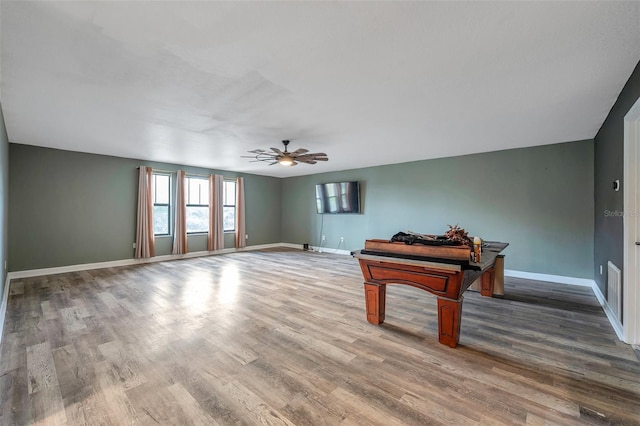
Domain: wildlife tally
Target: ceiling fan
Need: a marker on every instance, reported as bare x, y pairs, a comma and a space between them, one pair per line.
285, 157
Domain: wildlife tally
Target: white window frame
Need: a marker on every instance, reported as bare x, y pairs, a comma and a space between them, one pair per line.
224, 205
204, 186
168, 204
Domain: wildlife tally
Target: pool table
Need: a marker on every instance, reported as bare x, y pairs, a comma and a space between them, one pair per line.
447, 279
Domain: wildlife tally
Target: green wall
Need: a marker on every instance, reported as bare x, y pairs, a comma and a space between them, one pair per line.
540, 200
69, 208
609, 166
4, 199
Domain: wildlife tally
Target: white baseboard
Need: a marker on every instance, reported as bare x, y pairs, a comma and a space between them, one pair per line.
331, 251
615, 323
127, 262
290, 245
3, 306
560, 279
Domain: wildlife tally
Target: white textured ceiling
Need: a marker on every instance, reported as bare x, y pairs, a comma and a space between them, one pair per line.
369, 83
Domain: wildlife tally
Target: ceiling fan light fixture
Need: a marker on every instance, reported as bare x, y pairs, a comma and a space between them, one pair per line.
285, 161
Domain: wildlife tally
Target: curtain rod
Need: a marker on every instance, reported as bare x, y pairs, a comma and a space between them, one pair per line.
176, 171
158, 170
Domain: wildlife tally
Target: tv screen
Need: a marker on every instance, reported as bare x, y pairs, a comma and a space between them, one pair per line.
338, 197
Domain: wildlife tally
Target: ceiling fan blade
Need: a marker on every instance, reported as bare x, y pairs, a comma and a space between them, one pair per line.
315, 157
262, 156
275, 162
304, 159
257, 151
277, 151
300, 151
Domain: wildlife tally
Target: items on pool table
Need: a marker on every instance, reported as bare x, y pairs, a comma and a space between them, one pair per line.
477, 242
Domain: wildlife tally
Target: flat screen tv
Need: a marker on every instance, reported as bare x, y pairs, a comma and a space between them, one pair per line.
338, 197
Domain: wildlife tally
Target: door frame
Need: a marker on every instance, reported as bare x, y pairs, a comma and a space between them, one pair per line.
631, 188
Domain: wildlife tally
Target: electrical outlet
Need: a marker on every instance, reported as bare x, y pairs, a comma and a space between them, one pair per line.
342, 239
5, 265
600, 269
324, 238
134, 245
246, 236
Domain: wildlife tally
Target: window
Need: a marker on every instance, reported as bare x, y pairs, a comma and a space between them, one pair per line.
197, 205
161, 205
229, 206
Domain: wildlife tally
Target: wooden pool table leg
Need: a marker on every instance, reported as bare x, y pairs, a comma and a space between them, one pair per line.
375, 296
486, 282
449, 315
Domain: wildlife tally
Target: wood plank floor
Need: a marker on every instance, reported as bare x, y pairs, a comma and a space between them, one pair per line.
279, 337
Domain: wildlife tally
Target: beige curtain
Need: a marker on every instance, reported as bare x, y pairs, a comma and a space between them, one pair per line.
180, 233
240, 226
215, 239
145, 243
